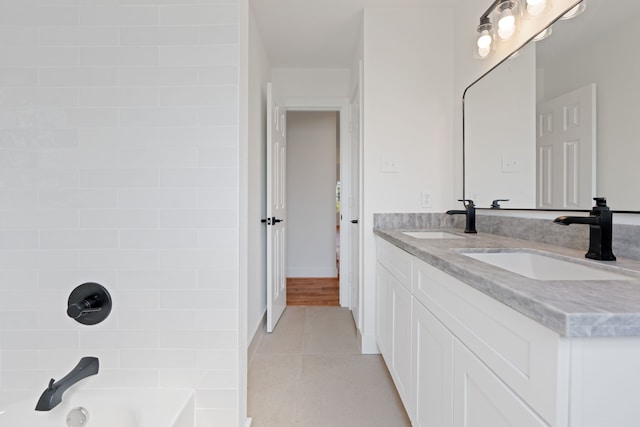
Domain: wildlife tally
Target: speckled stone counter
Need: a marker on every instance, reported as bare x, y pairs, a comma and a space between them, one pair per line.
571, 308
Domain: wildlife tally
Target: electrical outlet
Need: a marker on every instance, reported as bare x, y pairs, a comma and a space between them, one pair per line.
426, 199
509, 164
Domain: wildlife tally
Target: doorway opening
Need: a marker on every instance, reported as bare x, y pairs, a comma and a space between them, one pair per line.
313, 210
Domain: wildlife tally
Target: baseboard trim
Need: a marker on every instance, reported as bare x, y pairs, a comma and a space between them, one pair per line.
313, 272
248, 423
368, 344
255, 341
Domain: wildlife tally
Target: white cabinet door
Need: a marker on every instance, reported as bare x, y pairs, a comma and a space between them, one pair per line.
432, 370
480, 399
393, 330
383, 312
401, 340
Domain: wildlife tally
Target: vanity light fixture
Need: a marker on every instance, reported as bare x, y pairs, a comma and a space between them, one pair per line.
497, 22
575, 11
536, 7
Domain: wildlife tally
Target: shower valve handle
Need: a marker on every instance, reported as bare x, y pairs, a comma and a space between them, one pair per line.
82, 308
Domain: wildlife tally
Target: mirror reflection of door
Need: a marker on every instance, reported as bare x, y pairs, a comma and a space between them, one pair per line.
566, 150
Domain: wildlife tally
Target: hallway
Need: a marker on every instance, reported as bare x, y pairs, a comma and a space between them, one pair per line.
309, 373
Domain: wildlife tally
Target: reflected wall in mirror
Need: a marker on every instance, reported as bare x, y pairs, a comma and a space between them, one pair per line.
557, 124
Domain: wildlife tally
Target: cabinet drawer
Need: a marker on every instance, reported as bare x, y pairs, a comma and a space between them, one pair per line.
523, 353
394, 259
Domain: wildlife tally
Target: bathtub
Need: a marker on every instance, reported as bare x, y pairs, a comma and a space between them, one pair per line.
108, 408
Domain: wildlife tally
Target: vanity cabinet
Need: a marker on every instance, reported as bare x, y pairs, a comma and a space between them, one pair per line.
383, 311
461, 358
394, 317
457, 355
432, 370
524, 354
401, 340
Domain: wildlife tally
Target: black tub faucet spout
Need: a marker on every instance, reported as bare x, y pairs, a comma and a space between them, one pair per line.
600, 224
469, 212
52, 395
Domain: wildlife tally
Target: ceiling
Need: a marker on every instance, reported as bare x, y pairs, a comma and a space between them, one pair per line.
317, 33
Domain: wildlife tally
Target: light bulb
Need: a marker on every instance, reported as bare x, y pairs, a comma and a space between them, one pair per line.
483, 52
506, 26
484, 41
536, 7
506, 21
574, 11
484, 38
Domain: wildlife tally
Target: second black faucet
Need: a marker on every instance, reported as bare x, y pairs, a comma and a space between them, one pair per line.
469, 212
600, 224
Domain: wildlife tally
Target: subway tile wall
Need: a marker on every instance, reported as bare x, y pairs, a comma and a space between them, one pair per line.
119, 165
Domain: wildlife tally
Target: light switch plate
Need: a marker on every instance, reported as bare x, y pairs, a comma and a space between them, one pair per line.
388, 165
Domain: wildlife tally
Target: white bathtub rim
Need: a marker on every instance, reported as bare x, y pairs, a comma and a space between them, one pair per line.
159, 406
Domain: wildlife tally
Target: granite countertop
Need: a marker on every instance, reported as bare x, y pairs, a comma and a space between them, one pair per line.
572, 308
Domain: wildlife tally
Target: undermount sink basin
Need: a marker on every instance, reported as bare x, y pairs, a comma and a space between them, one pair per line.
432, 235
539, 266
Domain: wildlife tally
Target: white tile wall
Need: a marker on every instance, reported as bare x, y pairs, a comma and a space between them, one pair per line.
158, 36
118, 164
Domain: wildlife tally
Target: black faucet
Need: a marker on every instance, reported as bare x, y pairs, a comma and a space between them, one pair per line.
52, 396
469, 212
496, 203
600, 223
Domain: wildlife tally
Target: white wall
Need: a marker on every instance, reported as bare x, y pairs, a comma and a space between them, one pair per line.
311, 202
614, 72
408, 105
259, 76
295, 84
500, 113
119, 164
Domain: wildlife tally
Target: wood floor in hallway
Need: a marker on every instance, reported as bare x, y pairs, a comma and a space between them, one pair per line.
313, 291
309, 373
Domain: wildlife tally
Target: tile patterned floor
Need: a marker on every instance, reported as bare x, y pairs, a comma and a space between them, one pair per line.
309, 373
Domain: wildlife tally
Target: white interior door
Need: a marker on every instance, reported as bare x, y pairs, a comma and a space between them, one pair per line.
354, 203
566, 150
276, 210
